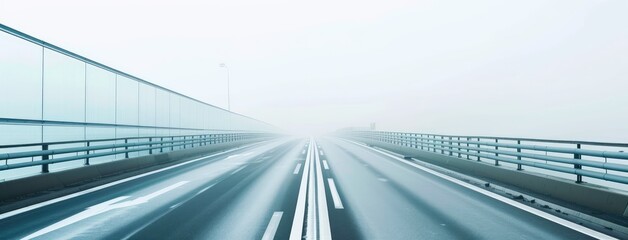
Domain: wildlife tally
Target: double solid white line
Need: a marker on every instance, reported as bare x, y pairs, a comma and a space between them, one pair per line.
299, 215
324, 227
312, 185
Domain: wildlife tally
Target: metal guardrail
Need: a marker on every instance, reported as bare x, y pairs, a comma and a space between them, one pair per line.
567, 157
112, 146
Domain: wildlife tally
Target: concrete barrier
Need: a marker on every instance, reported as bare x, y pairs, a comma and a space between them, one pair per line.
590, 196
23, 187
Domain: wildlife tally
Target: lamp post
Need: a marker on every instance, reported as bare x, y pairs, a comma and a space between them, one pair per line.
228, 90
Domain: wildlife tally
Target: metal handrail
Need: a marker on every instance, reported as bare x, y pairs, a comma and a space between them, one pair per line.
89, 151
100, 140
479, 148
592, 143
5, 156
594, 153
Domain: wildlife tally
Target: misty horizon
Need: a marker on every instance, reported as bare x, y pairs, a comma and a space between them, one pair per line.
535, 69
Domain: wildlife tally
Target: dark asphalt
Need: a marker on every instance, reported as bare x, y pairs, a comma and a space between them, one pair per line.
234, 196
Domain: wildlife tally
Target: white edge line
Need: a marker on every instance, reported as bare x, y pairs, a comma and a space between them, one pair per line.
205, 189
539, 213
272, 226
334, 194
237, 170
103, 208
296, 169
94, 189
164, 190
296, 233
176, 205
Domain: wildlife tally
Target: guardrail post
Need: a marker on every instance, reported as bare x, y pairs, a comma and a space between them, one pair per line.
45, 157
442, 148
162, 145
393, 138
172, 144
428, 143
468, 139
434, 143
421, 141
519, 157
150, 140
184, 141
450, 148
478, 149
87, 158
416, 141
396, 138
578, 166
496, 154
459, 154
126, 154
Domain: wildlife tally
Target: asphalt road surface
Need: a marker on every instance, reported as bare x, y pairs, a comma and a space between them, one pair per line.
285, 189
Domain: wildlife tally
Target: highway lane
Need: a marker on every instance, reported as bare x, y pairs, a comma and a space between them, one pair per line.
386, 199
240, 207
128, 209
285, 189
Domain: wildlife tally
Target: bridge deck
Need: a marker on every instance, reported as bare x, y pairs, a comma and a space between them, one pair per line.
349, 191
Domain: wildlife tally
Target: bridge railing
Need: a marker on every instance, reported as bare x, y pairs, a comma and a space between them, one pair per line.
599, 160
55, 152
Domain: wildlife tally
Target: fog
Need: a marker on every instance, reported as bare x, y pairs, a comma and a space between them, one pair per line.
545, 69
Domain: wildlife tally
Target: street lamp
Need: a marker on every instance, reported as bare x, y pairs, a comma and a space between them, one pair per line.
228, 90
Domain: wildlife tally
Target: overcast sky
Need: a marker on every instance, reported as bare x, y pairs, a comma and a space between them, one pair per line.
547, 69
